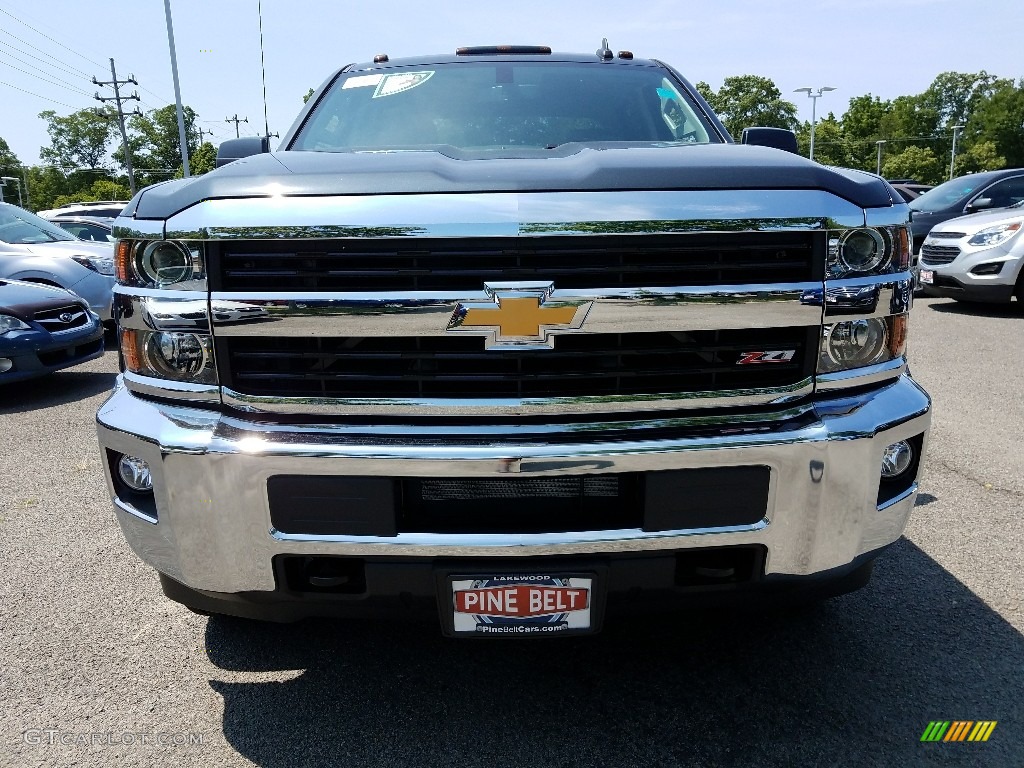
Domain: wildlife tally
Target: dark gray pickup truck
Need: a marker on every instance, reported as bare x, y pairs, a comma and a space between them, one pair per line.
518, 340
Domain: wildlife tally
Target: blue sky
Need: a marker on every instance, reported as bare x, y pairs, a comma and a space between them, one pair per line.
49, 49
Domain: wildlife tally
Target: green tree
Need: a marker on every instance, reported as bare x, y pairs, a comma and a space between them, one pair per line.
308, 94
155, 144
203, 160
78, 140
979, 156
918, 163
750, 100
101, 189
45, 184
830, 146
1000, 119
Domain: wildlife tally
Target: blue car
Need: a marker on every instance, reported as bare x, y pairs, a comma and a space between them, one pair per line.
44, 329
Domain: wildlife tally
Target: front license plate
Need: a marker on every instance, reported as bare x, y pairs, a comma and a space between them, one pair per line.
521, 605
927, 276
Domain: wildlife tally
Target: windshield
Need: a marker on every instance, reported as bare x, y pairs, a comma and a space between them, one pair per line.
19, 227
946, 195
498, 105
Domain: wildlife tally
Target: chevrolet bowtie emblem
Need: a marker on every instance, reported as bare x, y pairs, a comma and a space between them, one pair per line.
519, 316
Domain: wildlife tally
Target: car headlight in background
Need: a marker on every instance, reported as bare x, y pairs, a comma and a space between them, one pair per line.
159, 264
178, 356
859, 343
996, 235
11, 323
102, 264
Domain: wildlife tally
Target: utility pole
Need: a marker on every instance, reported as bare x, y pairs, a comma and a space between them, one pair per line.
177, 91
236, 120
952, 157
118, 98
878, 167
202, 132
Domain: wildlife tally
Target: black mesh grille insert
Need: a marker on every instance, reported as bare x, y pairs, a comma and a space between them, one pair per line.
730, 258
459, 366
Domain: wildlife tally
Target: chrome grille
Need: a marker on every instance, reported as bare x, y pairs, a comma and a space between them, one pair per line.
412, 264
62, 318
580, 365
939, 254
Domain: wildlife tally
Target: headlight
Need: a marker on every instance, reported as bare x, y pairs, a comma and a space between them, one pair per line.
859, 343
996, 235
159, 264
862, 250
171, 355
11, 323
102, 264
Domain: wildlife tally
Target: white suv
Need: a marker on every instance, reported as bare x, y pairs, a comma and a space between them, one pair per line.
976, 257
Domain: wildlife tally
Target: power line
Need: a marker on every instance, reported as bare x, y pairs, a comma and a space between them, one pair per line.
26, 53
118, 98
51, 82
44, 98
62, 45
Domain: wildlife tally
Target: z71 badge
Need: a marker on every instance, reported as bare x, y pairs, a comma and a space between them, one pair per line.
775, 356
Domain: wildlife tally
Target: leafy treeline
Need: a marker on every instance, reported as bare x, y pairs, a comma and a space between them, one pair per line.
986, 112
85, 159
917, 130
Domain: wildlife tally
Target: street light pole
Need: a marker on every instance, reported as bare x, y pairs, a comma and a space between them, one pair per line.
878, 166
814, 95
952, 156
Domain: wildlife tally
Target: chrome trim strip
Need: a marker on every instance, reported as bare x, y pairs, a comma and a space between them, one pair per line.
149, 309
127, 228
911, 491
511, 214
427, 313
866, 297
859, 377
483, 542
179, 390
894, 216
369, 406
127, 508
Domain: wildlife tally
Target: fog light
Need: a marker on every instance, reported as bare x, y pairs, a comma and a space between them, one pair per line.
856, 343
6, 364
897, 459
176, 355
135, 474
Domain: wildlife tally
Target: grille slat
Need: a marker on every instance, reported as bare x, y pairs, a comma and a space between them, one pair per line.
571, 262
460, 368
51, 319
939, 254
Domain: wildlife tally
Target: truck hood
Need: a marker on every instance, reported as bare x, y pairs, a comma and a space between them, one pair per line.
570, 167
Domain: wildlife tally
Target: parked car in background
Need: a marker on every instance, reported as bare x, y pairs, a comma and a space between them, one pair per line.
976, 257
911, 191
965, 194
85, 228
44, 329
35, 251
104, 209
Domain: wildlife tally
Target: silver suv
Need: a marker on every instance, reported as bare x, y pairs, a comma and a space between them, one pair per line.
36, 251
976, 257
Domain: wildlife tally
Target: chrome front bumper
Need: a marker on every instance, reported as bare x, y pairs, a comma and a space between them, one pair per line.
210, 474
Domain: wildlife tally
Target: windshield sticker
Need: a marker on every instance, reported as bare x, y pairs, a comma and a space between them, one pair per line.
392, 84
665, 93
362, 81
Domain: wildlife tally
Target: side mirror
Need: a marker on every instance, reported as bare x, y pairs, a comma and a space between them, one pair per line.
236, 149
777, 138
979, 204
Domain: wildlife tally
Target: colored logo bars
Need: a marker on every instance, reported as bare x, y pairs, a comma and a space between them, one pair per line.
958, 730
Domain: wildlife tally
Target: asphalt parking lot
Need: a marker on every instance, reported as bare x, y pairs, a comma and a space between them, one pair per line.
99, 669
